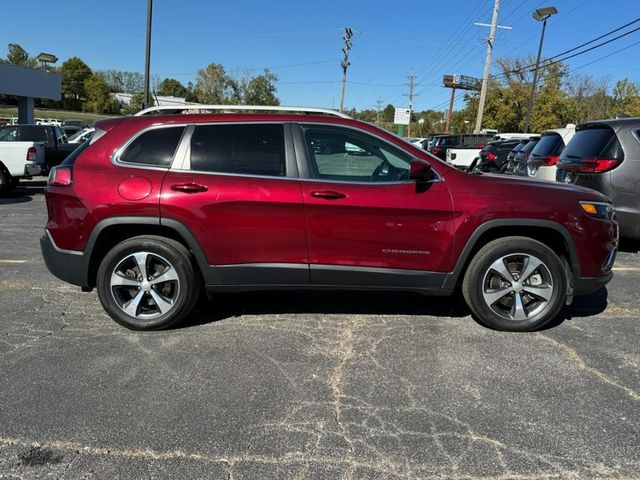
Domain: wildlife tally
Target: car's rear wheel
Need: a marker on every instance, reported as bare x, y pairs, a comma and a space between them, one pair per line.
515, 284
148, 283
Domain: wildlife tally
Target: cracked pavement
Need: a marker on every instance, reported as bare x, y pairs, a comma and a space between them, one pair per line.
318, 385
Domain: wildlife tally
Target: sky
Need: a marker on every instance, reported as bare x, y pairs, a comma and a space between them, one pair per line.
301, 41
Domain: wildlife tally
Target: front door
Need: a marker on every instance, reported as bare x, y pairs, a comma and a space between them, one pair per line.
367, 222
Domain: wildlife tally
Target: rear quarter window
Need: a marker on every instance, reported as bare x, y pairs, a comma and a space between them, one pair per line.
154, 147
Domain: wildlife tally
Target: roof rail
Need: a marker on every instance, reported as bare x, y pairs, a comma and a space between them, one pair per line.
178, 109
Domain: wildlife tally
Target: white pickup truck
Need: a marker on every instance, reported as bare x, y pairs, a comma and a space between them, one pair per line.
19, 160
462, 157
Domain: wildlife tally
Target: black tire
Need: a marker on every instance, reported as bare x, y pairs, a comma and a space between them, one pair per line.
6, 180
155, 305
529, 303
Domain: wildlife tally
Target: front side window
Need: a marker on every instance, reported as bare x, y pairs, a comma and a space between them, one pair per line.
346, 155
241, 149
154, 147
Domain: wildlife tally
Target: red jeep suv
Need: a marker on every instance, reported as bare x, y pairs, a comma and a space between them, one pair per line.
159, 206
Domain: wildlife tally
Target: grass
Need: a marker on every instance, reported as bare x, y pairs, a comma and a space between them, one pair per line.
7, 111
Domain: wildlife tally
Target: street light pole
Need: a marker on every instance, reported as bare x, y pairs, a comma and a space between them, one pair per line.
147, 55
540, 14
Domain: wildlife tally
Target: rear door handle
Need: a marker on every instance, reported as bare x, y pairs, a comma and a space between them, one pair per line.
188, 188
328, 194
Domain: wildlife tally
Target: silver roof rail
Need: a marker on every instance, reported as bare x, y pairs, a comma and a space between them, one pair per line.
195, 108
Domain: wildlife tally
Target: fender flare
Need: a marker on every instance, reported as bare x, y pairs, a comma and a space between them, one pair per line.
208, 273
452, 278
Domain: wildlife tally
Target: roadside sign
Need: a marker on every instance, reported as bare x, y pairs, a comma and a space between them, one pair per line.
402, 116
463, 82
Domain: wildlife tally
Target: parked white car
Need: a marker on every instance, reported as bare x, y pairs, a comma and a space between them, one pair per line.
544, 157
462, 157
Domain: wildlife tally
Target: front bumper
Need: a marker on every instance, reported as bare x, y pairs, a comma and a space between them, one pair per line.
67, 265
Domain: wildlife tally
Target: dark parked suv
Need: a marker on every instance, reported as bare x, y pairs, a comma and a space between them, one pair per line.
157, 207
605, 155
494, 155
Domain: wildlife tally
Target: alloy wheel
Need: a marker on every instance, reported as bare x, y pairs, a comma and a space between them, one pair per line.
518, 287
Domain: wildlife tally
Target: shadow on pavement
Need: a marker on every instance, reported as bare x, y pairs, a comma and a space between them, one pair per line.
228, 305
629, 246
23, 193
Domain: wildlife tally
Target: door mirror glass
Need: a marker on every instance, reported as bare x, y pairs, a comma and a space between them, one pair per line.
420, 171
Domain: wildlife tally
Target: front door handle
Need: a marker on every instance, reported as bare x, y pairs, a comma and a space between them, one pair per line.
328, 194
188, 188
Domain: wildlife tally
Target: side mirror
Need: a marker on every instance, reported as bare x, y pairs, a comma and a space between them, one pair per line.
420, 171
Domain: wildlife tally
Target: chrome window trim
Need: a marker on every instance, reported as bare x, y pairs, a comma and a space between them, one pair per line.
438, 178
115, 157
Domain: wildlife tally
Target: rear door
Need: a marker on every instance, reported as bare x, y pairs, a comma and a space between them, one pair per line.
238, 193
367, 223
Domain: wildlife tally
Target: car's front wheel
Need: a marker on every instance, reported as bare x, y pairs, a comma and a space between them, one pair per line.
515, 284
148, 283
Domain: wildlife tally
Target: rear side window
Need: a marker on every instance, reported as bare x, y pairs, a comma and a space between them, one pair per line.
593, 142
548, 145
33, 134
8, 134
241, 149
154, 147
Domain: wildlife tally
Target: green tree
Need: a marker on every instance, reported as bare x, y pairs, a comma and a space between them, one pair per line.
260, 90
551, 108
136, 104
214, 86
171, 87
74, 73
388, 113
98, 96
18, 56
625, 98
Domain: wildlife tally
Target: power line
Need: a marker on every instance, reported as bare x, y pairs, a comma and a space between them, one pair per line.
546, 62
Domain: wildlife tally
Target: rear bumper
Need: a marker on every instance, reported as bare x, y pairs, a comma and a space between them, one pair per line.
586, 285
67, 265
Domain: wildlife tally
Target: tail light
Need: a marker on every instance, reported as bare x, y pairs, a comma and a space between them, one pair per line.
60, 177
32, 154
436, 150
491, 157
592, 165
547, 161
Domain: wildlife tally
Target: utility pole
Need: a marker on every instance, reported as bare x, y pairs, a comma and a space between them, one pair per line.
487, 66
379, 105
348, 33
411, 84
147, 55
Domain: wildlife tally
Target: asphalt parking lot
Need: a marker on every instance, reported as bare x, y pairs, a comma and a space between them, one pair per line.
308, 385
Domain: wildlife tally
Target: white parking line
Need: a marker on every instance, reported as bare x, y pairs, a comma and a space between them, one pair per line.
13, 261
626, 269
